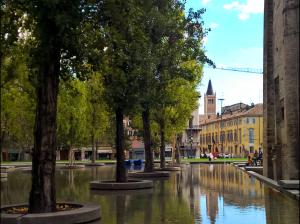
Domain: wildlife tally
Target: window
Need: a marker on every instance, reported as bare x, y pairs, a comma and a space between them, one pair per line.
251, 149
251, 135
210, 101
253, 120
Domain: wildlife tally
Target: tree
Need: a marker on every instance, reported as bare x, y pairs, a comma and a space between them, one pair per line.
123, 35
17, 101
72, 115
55, 27
17, 91
97, 111
181, 56
174, 116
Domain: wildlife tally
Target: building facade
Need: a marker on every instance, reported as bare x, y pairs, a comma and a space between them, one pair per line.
281, 89
190, 137
238, 131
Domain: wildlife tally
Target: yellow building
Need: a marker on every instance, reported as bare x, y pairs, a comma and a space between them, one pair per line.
237, 131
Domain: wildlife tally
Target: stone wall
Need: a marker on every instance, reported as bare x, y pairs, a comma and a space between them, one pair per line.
281, 89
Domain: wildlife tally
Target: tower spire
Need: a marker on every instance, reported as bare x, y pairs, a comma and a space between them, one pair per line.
209, 89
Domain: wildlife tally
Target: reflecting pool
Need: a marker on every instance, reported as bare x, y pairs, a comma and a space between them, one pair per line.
198, 194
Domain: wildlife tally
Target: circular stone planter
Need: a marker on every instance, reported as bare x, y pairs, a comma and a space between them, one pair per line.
25, 169
123, 192
85, 213
112, 185
169, 168
6, 169
155, 174
94, 164
3, 175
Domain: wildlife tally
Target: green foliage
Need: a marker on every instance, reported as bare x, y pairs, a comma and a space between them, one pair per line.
97, 110
123, 38
17, 100
71, 114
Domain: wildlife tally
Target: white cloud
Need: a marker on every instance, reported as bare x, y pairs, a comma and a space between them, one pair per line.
250, 7
204, 2
213, 25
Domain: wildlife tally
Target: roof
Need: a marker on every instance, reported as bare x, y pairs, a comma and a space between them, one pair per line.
209, 89
137, 144
256, 110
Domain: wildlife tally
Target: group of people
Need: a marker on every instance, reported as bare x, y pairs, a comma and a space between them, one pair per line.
257, 157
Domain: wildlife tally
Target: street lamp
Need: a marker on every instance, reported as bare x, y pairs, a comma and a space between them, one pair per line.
221, 100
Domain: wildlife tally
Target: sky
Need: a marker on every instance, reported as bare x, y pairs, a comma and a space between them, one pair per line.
235, 40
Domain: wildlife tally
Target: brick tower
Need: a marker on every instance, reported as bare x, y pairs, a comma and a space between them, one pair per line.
209, 102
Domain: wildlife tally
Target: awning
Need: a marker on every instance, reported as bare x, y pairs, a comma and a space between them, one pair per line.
104, 151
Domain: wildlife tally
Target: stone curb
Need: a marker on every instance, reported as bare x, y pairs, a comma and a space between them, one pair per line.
272, 183
112, 185
84, 214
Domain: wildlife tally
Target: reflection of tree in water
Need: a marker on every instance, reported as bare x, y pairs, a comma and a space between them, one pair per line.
148, 209
161, 200
280, 209
194, 198
71, 179
12, 192
73, 185
179, 185
121, 208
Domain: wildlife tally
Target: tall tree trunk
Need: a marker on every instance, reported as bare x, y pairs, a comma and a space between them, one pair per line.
4, 153
121, 173
177, 151
71, 156
42, 195
93, 149
162, 144
173, 150
93, 136
149, 164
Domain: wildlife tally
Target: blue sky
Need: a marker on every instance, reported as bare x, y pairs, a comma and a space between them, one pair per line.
236, 40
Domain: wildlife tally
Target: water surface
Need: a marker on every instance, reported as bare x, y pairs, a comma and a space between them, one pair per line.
200, 194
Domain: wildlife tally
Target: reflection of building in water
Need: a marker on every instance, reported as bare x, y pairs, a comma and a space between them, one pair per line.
235, 186
213, 183
212, 207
